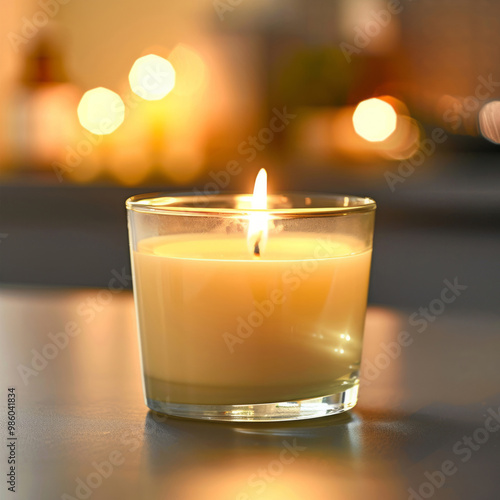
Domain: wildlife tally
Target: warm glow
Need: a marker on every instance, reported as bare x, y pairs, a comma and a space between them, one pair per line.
374, 120
53, 122
182, 162
257, 228
263, 475
404, 142
152, 77
190, 70
101, 111
489, 121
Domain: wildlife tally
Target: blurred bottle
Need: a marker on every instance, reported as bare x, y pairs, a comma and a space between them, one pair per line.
43, 114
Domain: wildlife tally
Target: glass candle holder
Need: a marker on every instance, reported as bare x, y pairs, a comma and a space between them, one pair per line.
234, 330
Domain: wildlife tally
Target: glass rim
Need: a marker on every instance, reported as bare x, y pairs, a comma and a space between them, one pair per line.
186, 204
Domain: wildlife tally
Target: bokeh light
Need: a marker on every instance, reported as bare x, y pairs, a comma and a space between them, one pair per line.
190, 70
152, 77
489, 121
404, 142
101, 111
374, 120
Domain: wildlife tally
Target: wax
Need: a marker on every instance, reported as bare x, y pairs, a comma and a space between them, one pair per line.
221, 326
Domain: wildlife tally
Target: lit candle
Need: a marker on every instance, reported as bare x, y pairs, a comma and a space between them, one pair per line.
266, 318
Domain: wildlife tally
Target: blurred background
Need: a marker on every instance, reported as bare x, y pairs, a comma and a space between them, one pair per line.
396, 100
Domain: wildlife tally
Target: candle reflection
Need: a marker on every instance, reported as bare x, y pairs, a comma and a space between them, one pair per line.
320, 460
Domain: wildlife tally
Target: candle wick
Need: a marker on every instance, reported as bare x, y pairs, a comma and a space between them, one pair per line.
256, 248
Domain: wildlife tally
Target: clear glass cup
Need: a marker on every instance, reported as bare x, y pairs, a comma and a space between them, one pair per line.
231, 329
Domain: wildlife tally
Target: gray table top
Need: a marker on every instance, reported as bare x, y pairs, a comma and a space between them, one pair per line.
426, 426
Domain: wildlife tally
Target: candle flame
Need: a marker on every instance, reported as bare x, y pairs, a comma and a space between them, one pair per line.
257, 227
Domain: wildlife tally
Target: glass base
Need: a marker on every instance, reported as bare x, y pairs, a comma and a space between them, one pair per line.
263, 412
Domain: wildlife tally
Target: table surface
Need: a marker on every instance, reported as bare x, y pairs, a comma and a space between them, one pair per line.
425, 422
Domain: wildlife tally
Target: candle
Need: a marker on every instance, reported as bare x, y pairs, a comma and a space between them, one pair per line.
234, 329
237, 317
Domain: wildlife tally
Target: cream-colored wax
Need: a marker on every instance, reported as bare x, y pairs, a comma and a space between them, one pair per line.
219, 326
